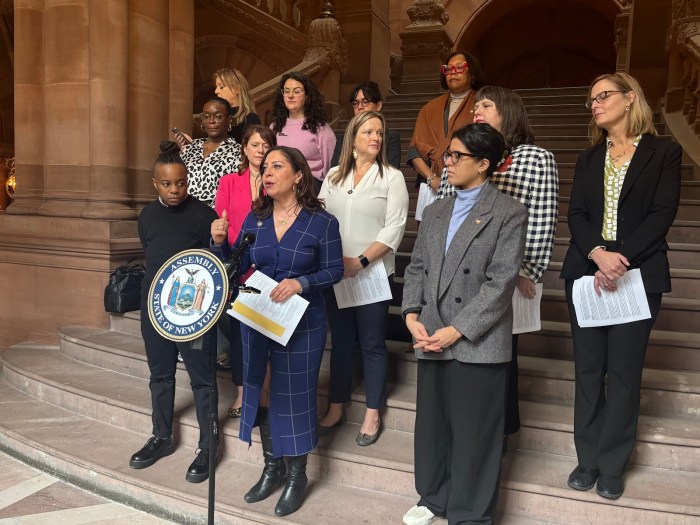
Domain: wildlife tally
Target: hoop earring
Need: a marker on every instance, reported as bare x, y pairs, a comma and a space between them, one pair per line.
230, 126
295, 189
354, 153
201, 126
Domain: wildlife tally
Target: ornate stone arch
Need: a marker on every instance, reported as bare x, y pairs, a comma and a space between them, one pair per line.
537, 43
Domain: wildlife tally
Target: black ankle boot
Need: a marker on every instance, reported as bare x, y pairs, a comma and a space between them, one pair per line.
293, 495
274, 470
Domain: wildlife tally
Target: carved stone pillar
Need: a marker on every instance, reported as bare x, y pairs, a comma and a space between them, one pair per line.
424, 44
29, 104
365, 26
622, 29
326, 37
108, 112
685, 27
98, 84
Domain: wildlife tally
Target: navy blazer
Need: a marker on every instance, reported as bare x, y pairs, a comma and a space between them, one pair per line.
646, 210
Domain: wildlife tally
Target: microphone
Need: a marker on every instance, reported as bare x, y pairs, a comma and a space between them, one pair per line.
247, 240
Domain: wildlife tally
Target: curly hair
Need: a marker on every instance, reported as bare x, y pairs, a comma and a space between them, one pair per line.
169, 154
304, 192
314, 114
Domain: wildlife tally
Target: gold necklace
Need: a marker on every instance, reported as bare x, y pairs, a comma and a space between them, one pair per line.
282, 222
618, 157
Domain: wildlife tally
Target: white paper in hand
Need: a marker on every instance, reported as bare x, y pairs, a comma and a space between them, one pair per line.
274, 320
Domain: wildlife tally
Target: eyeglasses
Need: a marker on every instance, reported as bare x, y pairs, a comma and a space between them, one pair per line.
455, 68
290, 92
362, 103
216, 117
456, 156
601, 97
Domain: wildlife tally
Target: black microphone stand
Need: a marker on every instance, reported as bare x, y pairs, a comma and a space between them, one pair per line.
233, 272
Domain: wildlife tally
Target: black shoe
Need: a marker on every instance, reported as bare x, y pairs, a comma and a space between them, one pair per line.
323, 430
154, 449
293, 495
582, 478
199, 469
610, 487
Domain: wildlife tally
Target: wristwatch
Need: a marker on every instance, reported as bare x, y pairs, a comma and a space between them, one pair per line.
364, 261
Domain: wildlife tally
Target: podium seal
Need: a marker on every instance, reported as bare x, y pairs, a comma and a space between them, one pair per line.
187, 295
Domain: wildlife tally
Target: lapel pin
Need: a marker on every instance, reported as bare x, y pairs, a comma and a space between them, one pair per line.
478, 221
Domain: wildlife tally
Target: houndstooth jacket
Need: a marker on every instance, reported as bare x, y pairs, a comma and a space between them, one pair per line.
531, 178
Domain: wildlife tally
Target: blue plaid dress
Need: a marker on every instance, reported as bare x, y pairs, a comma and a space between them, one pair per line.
310, 251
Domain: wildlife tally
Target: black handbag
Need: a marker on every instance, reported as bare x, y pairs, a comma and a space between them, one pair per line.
123, 292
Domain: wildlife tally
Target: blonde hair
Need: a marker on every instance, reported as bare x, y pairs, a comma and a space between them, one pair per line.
641, 117
232, 79
346, 162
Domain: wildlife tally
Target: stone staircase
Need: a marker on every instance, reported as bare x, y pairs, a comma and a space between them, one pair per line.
81, 408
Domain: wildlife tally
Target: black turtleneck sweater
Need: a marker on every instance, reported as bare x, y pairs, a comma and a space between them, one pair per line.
167, 230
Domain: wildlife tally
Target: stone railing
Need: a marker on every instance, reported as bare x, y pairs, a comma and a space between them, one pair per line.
323, 61
286, 21
681, 105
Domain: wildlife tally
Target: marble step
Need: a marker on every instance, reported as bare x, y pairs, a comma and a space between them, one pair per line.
123, 401
666, 350
537, 375
681, 232
92, 454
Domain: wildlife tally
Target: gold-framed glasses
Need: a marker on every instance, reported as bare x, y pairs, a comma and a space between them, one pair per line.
216, 117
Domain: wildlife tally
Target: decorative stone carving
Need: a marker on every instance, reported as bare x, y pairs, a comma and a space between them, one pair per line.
234, 42
326, 36
286, 35
427, 13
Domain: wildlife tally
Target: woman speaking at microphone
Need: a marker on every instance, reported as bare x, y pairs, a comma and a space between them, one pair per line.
297, 243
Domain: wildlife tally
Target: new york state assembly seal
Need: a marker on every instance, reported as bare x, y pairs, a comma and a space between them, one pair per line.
187, 295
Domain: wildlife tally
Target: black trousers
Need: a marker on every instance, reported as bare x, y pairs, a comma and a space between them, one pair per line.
459, 438
605, 420
368, 325
512, 424
162, 362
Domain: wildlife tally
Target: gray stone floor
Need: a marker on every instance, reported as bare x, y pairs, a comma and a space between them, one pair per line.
31, 497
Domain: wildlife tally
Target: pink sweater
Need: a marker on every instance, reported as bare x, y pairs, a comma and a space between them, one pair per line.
317, 148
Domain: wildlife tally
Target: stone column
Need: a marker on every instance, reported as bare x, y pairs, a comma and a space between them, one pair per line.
98, 84
29, 105
424, 43
149, 64
622, 30
181, 64
365, 26
109, 126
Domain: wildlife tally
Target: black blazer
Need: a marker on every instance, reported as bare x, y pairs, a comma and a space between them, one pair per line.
647, 207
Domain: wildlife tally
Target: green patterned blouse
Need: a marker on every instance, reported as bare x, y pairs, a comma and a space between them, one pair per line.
614, 178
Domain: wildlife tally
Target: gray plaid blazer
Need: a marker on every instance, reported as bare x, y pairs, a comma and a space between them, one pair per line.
470, 287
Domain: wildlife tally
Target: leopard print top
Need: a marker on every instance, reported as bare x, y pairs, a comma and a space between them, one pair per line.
205, 173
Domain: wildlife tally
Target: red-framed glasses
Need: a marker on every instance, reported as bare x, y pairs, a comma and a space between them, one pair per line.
454, 68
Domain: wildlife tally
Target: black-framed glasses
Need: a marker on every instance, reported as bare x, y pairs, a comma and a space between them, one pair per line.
456, 156
216, 117
361, 103
601, 97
